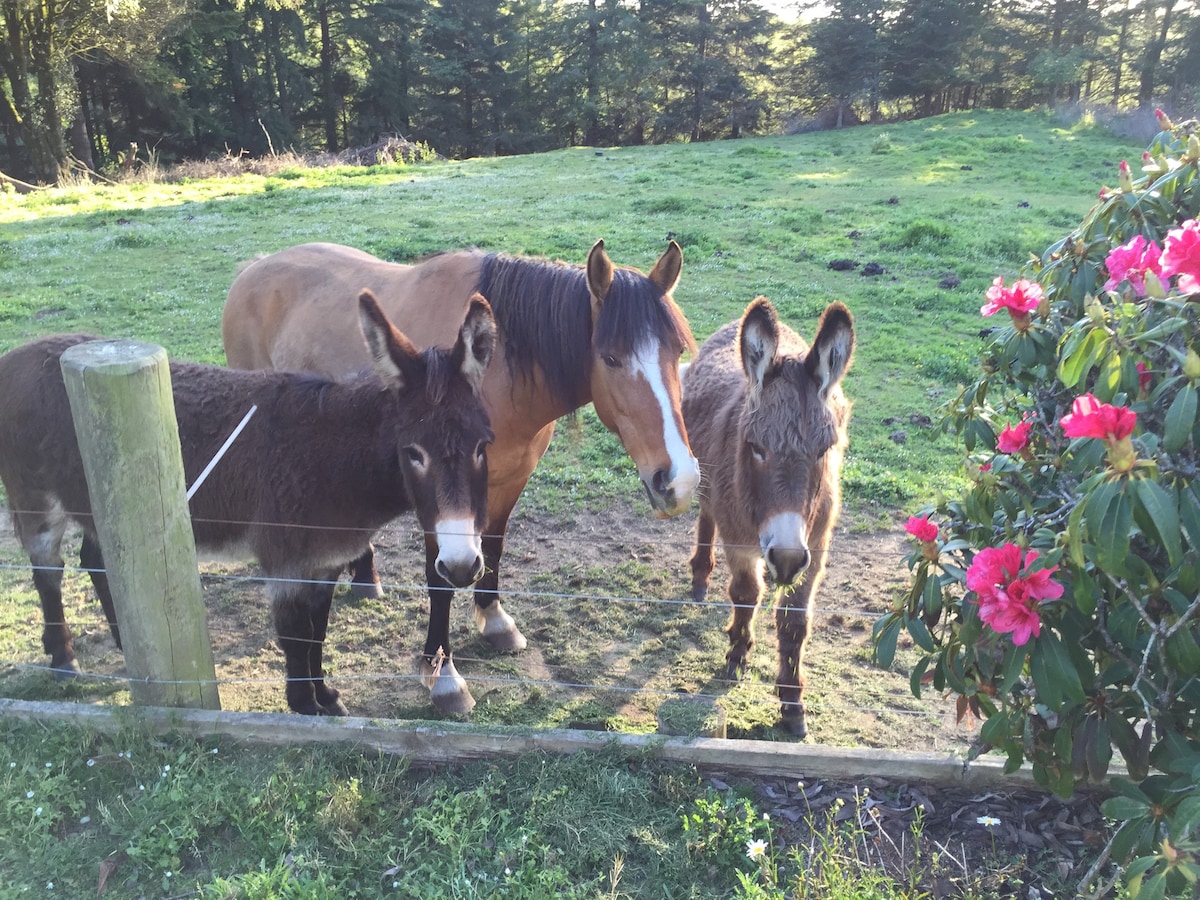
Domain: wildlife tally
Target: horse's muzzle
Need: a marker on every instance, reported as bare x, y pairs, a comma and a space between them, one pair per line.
671, 496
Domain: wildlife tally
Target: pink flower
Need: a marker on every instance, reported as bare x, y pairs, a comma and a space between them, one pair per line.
1008, 599
1020, 300
1130, 262
1091, 418
1181, 256
1014, 438
921, 528
1145, 378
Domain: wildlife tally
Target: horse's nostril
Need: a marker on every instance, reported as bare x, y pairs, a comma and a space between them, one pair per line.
658, 482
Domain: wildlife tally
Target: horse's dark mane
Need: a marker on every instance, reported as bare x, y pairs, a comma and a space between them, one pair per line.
543, 310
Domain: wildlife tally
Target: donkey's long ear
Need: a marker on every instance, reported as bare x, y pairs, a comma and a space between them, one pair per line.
394, 356
599, 274
665, 273
476, 341
832, 348
757, 342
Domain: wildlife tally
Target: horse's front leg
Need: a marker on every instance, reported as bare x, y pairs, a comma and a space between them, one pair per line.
745, 590
495, 624
295, 610
447, 689
704, 557
793, 623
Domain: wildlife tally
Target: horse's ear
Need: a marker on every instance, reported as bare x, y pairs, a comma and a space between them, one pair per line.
665, 273
396, 359
832, 348
476, 341
599, 273
758, 339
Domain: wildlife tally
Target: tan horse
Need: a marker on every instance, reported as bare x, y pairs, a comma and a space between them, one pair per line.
768, 420
568, 335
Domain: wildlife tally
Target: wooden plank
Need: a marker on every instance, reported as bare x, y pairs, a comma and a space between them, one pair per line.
450, 743
124, 415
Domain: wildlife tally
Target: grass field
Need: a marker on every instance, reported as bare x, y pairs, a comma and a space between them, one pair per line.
935, 209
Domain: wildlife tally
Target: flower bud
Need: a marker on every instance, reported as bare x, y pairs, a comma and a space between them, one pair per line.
1121, 456
1154, 285
1124, 178
1164, 121
1193, 147
1191, 365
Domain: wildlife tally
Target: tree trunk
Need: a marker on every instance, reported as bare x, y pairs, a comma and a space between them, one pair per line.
328, 101
1153, 53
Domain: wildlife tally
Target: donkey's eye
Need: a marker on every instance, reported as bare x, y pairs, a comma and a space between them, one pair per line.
481, 452
611, 361
415, 455
759, 454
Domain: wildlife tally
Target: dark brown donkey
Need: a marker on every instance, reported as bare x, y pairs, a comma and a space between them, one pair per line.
767, 420
334, 461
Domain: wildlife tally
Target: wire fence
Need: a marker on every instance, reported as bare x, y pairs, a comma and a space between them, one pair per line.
616, 674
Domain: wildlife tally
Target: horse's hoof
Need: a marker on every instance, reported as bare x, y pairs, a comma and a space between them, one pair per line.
447, 690
334, 707
500, 629
735, 669
793, 723
366, 590
66, 671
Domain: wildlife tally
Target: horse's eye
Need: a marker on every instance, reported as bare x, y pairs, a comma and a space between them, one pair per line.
611, 361
481, 451
759, 454
415, 455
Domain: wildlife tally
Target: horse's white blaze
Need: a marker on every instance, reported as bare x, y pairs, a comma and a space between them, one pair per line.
784, 531
685, 469
459, 542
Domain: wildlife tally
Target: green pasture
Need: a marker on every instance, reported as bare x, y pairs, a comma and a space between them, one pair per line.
958, 198
942, 206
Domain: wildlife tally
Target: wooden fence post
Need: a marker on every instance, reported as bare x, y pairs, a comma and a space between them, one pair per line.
124, 414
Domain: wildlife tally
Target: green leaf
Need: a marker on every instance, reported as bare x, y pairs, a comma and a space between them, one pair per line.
1124, 808
1180, 420
1162, 516
885, 642
1053, 674
920, 634
1185, 818
1075, 365
1112, 535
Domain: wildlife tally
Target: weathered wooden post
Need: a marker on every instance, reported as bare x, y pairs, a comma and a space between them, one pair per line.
124, 414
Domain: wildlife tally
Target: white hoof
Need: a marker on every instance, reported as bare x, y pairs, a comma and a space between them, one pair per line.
499, 628
447, 689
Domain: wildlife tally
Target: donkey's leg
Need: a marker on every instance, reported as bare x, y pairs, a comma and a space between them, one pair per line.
745, 589
92, 559
292, 610
793, 624
447, 689
704, 556
495, 624
321, 595
40, 524
364, 580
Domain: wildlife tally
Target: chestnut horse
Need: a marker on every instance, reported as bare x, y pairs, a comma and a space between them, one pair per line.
568, 335
768, 419
319, 468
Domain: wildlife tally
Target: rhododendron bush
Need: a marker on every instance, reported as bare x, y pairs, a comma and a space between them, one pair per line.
1057, 596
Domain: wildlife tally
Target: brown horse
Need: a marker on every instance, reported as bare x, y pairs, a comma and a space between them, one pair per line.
768, 419
568, 335
334, 461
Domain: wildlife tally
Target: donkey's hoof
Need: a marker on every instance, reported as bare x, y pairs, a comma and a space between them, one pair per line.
66, 671
366, 590
735, 669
